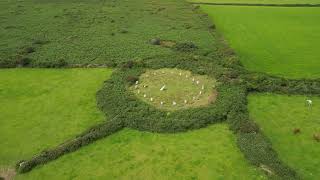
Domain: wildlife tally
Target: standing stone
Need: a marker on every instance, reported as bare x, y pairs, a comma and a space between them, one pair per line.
202, 87
174, 103
144, 95
200, 92
185, 101
198, 82
137, 82
151, 99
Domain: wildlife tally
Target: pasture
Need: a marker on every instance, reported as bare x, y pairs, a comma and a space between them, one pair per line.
276, 40
205, 154
41, 108
278, 116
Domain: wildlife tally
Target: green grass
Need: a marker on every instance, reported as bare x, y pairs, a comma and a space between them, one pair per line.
261, 1
209, 153
41, 108
279, 41
180, 85
92, 31
278, 115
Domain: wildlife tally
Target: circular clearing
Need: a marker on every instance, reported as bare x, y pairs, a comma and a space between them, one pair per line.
174, 89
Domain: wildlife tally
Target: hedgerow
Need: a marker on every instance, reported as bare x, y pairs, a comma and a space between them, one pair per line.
123, 109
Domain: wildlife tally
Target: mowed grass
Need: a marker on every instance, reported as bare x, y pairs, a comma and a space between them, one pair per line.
209, 153
279, 41
41, 108
278, 115
261, 1
187, 90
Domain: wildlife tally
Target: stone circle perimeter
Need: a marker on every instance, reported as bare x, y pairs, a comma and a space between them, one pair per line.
175, 89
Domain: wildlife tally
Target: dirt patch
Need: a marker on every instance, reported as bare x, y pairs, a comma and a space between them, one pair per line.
7, 173
213, 97
167, 43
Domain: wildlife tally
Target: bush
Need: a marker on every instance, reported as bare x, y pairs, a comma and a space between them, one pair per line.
185, 47
155, 41
54, 64
23, 61
29, 50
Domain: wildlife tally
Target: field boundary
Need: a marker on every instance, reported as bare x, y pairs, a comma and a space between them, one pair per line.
256, 4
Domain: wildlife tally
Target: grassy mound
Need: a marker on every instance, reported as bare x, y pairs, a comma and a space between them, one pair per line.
173, 89
298, 150
41, 108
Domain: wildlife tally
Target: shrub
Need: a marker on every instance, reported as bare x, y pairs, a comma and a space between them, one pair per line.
23, 61
185, 47
5, 63
54, 64
29, 50
296, 131
155, 41
128, 64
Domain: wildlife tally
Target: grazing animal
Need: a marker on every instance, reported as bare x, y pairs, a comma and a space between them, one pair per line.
309, 102
296, 130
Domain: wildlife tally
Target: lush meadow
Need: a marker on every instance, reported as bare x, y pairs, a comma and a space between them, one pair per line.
278, 116
41, 108
209, 153
276, 40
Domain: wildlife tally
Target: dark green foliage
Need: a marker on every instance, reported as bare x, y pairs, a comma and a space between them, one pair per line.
2, 178
185, 47
53, 64
29, 50
23, 61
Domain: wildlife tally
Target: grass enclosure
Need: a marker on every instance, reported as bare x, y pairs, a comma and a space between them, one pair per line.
278, 116
180, 85
209, 153
279, 41
41, 108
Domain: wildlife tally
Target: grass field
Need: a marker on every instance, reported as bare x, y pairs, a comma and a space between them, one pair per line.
41, 108
278, 41
180, 87
278, 115
261, 1
209, 153
96, 31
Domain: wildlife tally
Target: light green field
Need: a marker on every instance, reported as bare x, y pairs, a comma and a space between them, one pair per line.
261, 1
209, 153
180, 86
41, 108
278, 115
280, 41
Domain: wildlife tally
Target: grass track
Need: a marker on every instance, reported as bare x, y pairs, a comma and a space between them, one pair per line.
278, 115
279, 41
41, 108
209, 153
